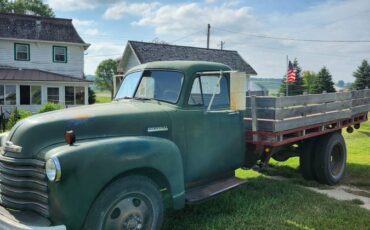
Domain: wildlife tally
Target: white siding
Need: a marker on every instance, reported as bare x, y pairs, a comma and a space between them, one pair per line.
41, 57
129, 60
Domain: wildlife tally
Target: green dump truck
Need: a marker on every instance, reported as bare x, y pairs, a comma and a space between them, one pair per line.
177, 127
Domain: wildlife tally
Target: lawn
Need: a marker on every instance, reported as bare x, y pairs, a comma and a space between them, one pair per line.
103, 97
264, 203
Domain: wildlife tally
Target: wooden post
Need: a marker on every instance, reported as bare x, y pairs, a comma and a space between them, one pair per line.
254, 116
208, 34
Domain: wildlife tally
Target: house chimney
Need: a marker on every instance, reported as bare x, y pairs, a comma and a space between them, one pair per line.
38, 28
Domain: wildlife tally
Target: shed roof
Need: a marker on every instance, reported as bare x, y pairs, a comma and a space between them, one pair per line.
12, 74
31, 27
150, 52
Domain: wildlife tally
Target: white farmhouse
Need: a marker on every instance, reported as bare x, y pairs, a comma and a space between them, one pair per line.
41, 60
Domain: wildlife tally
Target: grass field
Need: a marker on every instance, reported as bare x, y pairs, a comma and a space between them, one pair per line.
103, 97
264, 203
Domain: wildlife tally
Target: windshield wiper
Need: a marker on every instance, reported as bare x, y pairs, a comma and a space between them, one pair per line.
143, 98
122, 98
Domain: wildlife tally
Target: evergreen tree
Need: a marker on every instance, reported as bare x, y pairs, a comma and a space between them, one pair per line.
324, 82
294, 88
362, 76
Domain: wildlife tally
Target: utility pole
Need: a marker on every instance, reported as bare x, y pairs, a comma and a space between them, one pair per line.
221, 45
208, 34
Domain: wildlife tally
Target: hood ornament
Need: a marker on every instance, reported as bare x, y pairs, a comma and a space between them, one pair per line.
10, 147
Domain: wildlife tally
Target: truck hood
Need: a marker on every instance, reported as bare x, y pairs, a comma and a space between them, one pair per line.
123, 118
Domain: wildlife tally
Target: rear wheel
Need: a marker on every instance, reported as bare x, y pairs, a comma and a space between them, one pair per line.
130, 203
306, 159
330, 158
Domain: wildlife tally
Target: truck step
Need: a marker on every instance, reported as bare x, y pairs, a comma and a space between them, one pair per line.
203, 192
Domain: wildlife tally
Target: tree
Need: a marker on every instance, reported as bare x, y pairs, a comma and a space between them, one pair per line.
33, 7
309, 79
324, 82
104, 75
341, 83
295, 88
362, 76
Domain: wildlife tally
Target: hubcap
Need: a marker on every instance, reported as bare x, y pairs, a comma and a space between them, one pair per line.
336, 161
133, 212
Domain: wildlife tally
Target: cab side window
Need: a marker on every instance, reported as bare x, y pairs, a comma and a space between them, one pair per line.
203, 89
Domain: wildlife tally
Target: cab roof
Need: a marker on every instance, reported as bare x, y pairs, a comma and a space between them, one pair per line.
187, 67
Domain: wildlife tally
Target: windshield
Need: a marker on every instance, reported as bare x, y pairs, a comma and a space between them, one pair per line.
154, 84
129, 85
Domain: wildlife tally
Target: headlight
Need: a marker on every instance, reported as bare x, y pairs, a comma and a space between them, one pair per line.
53, 170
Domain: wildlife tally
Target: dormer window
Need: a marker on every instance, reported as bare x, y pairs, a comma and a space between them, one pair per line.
60, 54
21, 52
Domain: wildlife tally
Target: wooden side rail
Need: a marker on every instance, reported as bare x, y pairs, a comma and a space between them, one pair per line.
276, 114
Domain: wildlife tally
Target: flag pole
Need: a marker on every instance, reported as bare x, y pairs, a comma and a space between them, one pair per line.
286, 79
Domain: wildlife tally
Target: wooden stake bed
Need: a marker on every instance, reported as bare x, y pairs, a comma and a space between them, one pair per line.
275, 121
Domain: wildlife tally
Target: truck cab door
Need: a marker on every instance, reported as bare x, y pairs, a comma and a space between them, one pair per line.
214, 137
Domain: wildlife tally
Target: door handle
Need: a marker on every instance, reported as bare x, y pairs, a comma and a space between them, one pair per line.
233, 113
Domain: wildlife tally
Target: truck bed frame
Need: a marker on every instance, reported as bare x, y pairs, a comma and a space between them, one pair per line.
276, 121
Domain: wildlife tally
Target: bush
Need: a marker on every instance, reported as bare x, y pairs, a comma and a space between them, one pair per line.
50, 107
92, 96
17, 115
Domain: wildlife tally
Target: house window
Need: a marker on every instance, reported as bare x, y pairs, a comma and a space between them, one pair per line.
2, 98
80, 95
30, 95
21, 52
69, 95
36, 95
10, 95
60, 54
74, 95
53, 94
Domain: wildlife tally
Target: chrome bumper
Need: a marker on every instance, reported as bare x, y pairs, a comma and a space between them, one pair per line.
23, 220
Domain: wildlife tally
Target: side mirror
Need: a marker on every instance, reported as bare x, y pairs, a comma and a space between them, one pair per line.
238, 88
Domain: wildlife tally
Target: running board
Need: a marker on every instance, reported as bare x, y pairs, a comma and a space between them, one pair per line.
203, 192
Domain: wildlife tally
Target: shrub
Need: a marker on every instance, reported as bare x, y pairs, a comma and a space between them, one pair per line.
92, 96
17, 115
50, 107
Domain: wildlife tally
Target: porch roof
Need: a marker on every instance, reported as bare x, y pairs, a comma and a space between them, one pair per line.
12, 74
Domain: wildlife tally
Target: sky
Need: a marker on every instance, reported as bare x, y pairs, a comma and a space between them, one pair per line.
242, 24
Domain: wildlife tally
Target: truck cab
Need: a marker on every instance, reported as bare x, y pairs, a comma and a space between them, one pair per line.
172, 126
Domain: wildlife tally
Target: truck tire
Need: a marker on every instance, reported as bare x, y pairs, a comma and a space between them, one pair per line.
306, 159
330, 158
132, 202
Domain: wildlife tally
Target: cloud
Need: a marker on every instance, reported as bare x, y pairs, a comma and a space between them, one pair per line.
236, 24
71, 5
99, 51
83, 23
119, 10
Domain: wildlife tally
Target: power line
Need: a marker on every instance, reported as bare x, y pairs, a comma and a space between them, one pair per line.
186, 36
292, 39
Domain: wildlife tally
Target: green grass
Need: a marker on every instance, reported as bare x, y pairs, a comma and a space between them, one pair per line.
358, 161
268, 204
103, 99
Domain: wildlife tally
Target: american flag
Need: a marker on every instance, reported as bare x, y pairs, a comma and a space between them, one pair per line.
291, 74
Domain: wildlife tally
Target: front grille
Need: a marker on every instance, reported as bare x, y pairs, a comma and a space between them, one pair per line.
23, 185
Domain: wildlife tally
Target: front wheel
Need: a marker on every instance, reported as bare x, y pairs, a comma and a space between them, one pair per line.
330, 158
129, 203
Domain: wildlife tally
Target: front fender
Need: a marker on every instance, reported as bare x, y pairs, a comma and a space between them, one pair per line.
87, 167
